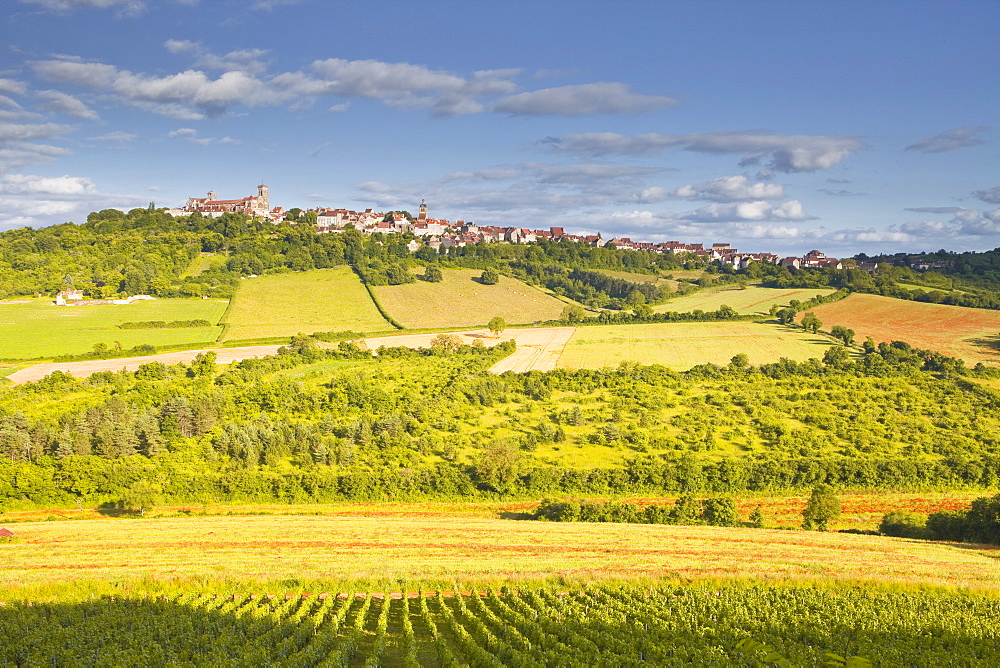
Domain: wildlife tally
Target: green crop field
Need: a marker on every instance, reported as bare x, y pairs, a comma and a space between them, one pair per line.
321, 300
461, 301
684, 344
753, 300
36, 328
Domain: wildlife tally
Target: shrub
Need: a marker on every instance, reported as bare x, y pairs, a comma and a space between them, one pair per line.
902, 524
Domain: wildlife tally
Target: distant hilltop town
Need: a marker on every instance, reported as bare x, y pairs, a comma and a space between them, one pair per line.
438, 232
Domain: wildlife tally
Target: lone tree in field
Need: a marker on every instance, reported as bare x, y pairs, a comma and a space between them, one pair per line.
811, 323
823, 506
497, 325
141, 496
489, 277
432, 274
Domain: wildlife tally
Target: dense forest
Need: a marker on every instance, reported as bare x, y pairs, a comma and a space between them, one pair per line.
322, 424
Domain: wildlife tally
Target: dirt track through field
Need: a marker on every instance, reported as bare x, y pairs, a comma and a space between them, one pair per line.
538, 349
84, 369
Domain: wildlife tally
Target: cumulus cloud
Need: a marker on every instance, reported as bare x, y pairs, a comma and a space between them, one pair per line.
949, 140
730, 189
19, 145
989, 195
30, 199
66, 104
13, 87
749, 211
582, 100
785, 153
243, 60
188, 95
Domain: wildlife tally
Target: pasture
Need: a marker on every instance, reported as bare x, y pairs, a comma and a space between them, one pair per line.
460, 300
967, 333
35, 328
386, 548
633, 277
752, 300
682, 345
321, 300
203, 263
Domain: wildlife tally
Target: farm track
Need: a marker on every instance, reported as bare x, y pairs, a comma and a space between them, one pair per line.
538, 349
84, 369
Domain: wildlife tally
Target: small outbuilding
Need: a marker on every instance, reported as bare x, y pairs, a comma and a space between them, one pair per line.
6, 533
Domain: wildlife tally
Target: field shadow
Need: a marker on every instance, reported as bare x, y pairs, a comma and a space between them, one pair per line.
110, 509
986, 343
513, 515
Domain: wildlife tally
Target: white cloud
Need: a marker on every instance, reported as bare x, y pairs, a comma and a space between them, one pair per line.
67, 104
191, 135
116, 137
787, 153
20, 184
749, 211
730, 189
30, 199
189, 95
13, 87
243, 60
581, 100
949, 140
123, 7
18, 147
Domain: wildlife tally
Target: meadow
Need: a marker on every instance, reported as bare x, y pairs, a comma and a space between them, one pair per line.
203, 263
968, 333
320, 300
683, 345
460, 300
440, 549
35, 328
752, 300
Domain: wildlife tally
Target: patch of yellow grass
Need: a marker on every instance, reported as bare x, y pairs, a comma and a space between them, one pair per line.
461, 301
684, 344
754, 300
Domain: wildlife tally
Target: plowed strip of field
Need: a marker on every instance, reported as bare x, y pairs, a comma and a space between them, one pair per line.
319, 548
968, 333
84, 369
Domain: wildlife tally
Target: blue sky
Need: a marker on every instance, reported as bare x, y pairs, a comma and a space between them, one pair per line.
776, 126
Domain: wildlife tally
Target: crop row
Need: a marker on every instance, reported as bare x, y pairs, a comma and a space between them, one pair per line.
601, 625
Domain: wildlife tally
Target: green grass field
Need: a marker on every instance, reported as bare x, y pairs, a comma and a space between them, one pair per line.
36, 328
684, 344
754, 300
640, 278
460, 301
321, 300
204, 262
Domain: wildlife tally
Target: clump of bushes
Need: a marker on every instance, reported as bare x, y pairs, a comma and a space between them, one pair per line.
979, 524
163, 324
686, 510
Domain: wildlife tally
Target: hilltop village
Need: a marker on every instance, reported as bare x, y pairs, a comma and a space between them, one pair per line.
440, 233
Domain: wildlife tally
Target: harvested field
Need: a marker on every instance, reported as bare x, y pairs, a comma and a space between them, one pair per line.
684, 344
968, 333
640, 278
389, 548
38, 329
461, 301
321, 300
537, 349
754, 300
84, 369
